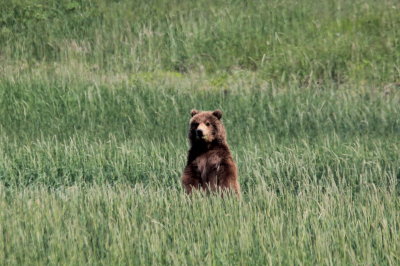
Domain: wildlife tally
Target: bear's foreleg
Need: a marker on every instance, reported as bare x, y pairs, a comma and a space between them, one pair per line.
189, 182
228, 178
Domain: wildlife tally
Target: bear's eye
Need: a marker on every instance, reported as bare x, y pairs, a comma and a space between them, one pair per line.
208, 124
195, 124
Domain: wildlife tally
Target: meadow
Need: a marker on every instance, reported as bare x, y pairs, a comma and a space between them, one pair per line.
94, 106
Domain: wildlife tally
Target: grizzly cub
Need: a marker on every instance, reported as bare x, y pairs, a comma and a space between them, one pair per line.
210, 166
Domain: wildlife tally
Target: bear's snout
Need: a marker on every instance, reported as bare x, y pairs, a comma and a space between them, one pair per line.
202, 132
199, 133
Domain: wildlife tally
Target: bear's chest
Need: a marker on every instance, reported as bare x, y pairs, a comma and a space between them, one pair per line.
207, 166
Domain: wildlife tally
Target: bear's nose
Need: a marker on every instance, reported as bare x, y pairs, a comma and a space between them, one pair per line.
199, 133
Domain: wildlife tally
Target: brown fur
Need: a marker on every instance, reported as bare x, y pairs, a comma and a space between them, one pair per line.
210, 166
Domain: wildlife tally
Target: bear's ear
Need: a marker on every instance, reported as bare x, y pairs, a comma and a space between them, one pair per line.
217, 113
194, 112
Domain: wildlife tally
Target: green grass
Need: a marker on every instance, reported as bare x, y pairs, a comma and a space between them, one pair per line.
122, 225
94, 104
306, 41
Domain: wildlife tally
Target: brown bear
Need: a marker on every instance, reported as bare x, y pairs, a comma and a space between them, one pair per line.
210, 166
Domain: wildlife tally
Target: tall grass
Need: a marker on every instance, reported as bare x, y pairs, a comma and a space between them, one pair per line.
94, 105
120, 225
60, 136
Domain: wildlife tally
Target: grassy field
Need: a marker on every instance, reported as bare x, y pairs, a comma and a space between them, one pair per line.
94, 104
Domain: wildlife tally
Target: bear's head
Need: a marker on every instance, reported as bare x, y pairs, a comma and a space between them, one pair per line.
206, 127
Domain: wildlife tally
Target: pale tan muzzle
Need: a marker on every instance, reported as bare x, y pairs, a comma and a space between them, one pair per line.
205, 132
